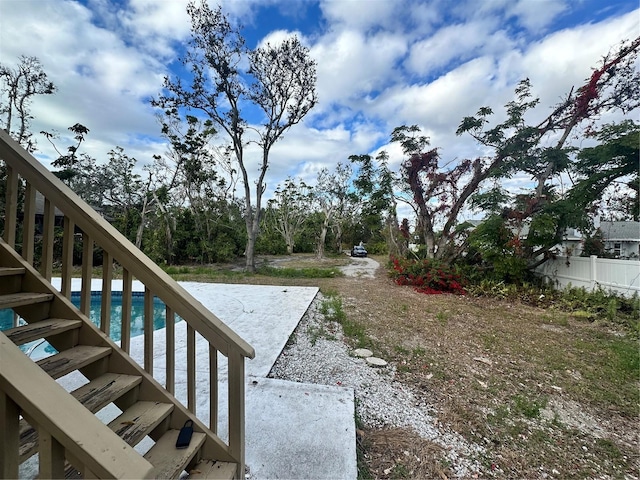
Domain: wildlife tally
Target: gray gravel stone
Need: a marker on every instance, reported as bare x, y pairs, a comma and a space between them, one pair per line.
381, 401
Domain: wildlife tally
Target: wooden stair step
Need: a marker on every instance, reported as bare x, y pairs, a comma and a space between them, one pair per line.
20, 299
167, 460
94, 396
138, 420
210, 469
11, 271
43, 329
105, 389
72, 359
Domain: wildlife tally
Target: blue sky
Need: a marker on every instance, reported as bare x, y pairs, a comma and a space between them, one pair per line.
381, 64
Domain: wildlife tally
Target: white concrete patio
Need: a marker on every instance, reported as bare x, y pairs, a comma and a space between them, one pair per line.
293, 430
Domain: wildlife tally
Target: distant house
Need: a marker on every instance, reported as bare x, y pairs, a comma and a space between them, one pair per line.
621, 239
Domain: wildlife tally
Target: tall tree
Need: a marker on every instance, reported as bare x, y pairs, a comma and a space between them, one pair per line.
289, 209
279, 82
331, 194
77, 169
18, 86
374, 188
543, 150
609, 172
540, 150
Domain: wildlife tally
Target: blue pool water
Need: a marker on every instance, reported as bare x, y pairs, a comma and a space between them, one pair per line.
137, 318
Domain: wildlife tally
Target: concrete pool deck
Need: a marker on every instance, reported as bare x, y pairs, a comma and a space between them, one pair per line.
293, 430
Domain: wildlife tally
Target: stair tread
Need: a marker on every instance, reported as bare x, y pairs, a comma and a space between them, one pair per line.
19, 299
105, 389
72, 359
167, 460
94, 396
138, 420
43, 329
9, 271
211, 469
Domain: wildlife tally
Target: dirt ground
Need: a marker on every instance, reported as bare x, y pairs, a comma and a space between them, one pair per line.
545, 395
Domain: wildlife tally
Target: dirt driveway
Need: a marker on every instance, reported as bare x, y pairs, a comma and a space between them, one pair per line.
361, 267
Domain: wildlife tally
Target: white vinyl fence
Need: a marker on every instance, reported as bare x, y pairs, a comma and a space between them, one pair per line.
619, 276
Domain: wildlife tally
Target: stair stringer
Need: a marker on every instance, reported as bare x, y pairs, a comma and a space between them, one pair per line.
118, 362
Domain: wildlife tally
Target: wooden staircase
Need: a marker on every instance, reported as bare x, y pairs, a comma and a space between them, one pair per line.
147, 410
37, 415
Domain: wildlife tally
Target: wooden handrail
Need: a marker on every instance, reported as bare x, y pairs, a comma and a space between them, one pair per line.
110, 239
59, 199
77, 430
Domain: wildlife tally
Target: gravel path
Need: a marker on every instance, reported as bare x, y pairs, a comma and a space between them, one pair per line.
318, 354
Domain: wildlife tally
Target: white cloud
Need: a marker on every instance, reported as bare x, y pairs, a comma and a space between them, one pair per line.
378, 67
363, 16
351, 64
536, 15
455, 42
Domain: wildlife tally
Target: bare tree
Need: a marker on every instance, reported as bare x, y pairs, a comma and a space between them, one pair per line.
19, 86
331, 194
280, 81
289, 209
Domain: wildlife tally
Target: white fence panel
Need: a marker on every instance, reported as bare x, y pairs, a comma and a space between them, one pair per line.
620, 276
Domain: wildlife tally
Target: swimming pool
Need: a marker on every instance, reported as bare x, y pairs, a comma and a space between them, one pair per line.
39, 349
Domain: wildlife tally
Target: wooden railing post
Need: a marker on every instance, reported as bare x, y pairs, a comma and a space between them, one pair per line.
236, 410
148, 331
68, 243
9, 437
48, 237
125, 327
51, 456
11, 207
29, 223
105, 306
213, 389
191, 369
170, 374
87, 268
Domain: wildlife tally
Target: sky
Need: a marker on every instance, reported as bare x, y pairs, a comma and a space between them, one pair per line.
380, 64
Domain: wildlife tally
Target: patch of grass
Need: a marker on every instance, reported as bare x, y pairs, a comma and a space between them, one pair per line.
611, 377
310, 272
443, 318
530, 408
555, 319
400, 471
331, 308
419, 352
401, 350
318, 332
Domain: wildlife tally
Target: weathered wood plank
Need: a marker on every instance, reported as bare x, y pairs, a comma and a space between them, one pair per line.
20, 299
8, 272
46, 263
9, 437
138, 420
94, 396
167, 460
43, 329
68, 240
87, 267
11, 205
69, 360
148, 331
29, 223
105, 389
210, 469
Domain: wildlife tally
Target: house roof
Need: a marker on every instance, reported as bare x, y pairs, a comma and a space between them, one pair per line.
620, 231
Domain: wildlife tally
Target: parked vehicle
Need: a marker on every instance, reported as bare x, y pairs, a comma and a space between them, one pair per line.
358, 251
